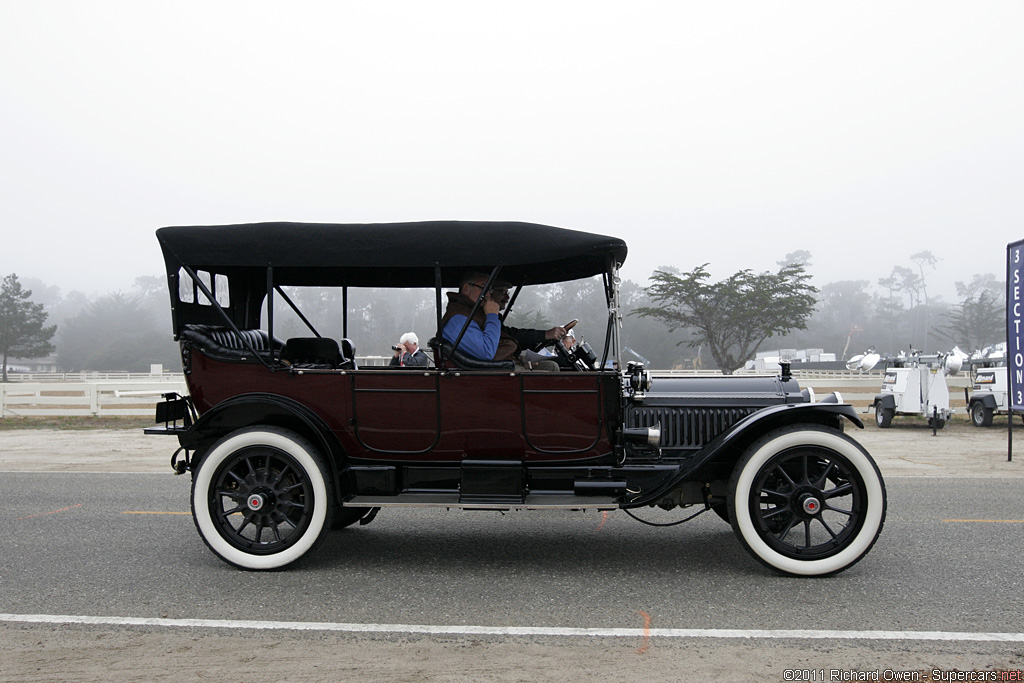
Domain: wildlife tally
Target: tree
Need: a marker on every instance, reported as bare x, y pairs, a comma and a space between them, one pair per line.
800, 257
976, 322
843, 311
115, 333
981, 283
910, 283
529, 319
978, 319
22, 334
891, 283
923, 258
735, 316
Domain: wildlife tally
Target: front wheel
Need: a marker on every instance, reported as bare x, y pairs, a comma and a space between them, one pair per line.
260, 498
807, 501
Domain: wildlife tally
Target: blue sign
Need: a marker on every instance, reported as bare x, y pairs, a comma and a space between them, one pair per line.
1015, 322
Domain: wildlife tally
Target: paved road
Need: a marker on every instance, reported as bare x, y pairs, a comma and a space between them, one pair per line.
75, 544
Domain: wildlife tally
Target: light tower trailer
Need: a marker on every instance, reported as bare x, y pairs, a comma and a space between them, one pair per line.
915, 384
990, 394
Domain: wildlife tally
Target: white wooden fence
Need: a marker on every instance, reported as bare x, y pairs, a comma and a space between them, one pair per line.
93, 398
93, 377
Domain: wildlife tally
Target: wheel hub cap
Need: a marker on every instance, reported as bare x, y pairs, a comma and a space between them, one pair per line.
255, 502
811, 505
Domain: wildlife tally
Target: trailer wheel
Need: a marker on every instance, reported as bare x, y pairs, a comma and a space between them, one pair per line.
980, 415
260, 498
807, 501
936, 422
883, 415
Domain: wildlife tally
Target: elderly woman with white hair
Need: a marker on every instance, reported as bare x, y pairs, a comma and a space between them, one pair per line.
408, 353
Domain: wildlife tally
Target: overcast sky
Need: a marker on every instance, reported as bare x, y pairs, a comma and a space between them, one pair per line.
711, 131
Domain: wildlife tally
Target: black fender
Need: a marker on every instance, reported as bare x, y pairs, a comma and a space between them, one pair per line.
247, 410
720, 455
987, 400
884, 401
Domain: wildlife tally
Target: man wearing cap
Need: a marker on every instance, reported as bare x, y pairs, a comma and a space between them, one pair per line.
486, 337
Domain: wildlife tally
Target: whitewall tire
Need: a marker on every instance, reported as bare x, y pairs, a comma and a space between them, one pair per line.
261, 499
807, 500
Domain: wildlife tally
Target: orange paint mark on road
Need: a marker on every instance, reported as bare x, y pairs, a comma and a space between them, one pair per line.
604, 518
51, 512
647, 632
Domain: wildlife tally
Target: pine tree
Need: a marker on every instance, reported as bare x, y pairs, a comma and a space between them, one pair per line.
22, 334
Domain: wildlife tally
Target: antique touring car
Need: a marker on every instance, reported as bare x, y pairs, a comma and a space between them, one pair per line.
288, 439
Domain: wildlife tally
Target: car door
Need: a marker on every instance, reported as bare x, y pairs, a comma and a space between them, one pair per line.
564, 414
396, 412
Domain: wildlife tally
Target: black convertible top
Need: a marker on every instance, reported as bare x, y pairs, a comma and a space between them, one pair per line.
391, 254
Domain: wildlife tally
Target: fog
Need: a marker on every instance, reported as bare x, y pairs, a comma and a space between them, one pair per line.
730, 132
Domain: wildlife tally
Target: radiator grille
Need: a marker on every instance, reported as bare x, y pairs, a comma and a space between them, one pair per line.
687, 428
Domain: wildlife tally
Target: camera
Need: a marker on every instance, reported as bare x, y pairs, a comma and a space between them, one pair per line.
396, 347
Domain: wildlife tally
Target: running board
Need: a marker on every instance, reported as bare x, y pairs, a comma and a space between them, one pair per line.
536, 501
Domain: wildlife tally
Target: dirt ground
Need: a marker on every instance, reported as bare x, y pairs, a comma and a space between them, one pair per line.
37, 652
91, 654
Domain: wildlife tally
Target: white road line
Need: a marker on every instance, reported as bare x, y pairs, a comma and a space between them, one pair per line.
751, 634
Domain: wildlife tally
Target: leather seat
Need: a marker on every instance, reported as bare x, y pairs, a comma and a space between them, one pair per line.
312, 352
223, 343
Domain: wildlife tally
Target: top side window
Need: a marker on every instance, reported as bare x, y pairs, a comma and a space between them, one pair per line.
189, 292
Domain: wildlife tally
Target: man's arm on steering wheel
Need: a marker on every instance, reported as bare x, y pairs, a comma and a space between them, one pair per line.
535, 339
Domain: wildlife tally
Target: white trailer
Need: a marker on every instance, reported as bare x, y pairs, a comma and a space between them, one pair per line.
915, 384
990, 394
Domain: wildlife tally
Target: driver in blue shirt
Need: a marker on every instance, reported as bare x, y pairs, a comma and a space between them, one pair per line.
486, 338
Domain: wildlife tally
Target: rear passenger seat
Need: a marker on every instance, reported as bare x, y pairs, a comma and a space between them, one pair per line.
321, 353
223, 343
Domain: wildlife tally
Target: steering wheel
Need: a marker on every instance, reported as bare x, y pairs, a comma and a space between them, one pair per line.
557, 342
567, 357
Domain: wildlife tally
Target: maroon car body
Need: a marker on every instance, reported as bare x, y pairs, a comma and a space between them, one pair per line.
287, 439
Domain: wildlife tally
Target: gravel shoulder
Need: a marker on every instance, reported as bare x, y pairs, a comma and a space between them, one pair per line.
86, 654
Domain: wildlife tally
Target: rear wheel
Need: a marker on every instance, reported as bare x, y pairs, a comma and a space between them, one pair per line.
260, 498
883, 415
807, 501
980, 415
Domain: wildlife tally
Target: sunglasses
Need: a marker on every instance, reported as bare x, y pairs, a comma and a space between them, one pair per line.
496, 290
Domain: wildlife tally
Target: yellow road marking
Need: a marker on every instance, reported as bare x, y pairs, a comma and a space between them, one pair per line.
152, 512
987, 521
